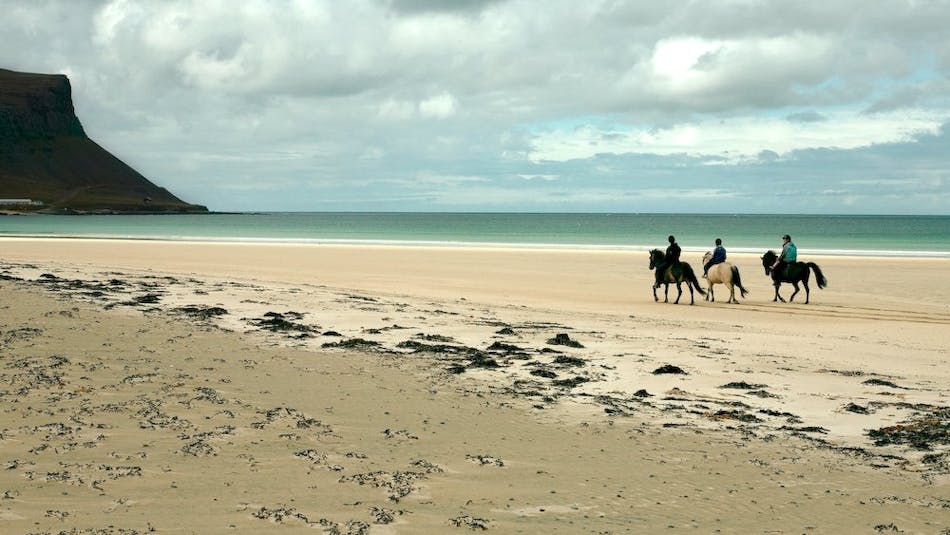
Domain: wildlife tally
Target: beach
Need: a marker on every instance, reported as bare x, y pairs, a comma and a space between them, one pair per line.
184, 387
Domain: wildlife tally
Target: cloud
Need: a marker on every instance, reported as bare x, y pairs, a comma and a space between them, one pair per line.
438, 107
357, 102
736, 139
807, 117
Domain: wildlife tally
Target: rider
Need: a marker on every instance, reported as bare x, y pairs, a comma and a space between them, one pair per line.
718, 257
671, 258
789, 252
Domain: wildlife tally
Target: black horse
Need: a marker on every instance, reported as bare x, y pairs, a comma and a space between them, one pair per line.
678, 273
793, 272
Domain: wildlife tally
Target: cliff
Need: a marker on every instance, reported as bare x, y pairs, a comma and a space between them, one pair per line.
46, 156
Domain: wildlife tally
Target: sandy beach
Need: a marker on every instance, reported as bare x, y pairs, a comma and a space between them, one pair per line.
176, 387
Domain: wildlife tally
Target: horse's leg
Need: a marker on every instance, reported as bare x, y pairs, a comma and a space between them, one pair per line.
797, 289
690, 286
679, 292
732, 292
710, 296
805, 282
666, 292
777, 296
655, 298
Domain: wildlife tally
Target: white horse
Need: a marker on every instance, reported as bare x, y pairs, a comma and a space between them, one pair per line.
723, 273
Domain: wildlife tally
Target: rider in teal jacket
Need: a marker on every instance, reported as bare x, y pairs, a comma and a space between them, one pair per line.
789, 252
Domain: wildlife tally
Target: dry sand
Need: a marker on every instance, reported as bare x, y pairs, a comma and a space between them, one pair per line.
205, 388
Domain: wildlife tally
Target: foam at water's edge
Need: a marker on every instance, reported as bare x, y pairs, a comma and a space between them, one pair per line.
476, 244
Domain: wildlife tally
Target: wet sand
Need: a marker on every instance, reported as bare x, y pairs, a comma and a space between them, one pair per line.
204, 388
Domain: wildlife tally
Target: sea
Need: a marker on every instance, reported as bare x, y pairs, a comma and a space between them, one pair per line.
844, 235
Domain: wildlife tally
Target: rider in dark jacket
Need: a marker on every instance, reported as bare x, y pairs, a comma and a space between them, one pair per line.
718, 257
671, 258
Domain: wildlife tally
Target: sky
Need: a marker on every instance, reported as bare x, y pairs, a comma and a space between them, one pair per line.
732, 106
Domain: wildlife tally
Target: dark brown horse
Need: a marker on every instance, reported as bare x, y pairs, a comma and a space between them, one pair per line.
793, 272
678, 273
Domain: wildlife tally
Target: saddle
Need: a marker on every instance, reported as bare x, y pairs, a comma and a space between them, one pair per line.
667, 270
784, 269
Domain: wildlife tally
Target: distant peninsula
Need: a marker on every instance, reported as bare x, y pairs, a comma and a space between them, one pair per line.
49, 165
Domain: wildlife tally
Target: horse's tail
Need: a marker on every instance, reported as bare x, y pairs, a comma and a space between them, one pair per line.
691, 279
737, 281
819, 276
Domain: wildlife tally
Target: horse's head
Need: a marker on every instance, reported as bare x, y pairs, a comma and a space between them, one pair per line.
656, 256
768, 259
707, 256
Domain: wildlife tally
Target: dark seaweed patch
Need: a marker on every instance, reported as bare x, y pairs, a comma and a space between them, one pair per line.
806, 429
434, 338
734, 415
201, 312
669, 368
353, 343
420, 347
572, 382
568, 361
921, 433
562, 339
507, 348
480, 360
880, 382
456, 369
277, 322
547, 374
857, 409
742, 385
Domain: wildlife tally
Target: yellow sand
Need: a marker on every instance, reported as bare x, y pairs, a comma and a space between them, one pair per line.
113, 419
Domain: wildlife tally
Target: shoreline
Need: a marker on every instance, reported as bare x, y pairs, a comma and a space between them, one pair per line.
464, 245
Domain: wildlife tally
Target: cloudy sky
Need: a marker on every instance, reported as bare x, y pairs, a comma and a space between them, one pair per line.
735, 106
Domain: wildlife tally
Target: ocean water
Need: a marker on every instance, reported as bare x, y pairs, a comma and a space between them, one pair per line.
910, 236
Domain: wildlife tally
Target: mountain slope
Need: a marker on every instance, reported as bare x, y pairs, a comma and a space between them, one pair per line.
46, 156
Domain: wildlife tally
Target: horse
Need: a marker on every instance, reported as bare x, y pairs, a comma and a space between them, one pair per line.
678, 273
793, 272
723, 273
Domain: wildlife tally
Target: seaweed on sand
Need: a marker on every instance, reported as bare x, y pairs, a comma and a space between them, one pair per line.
669, 368
922, 432
353, 343
562, 339
201, 312
568, 361
277, 322
572, 382
880, 382
742, 385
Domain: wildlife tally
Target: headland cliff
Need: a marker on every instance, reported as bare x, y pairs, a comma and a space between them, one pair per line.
49, 164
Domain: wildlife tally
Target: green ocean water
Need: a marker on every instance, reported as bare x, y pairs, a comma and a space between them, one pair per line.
912, 236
